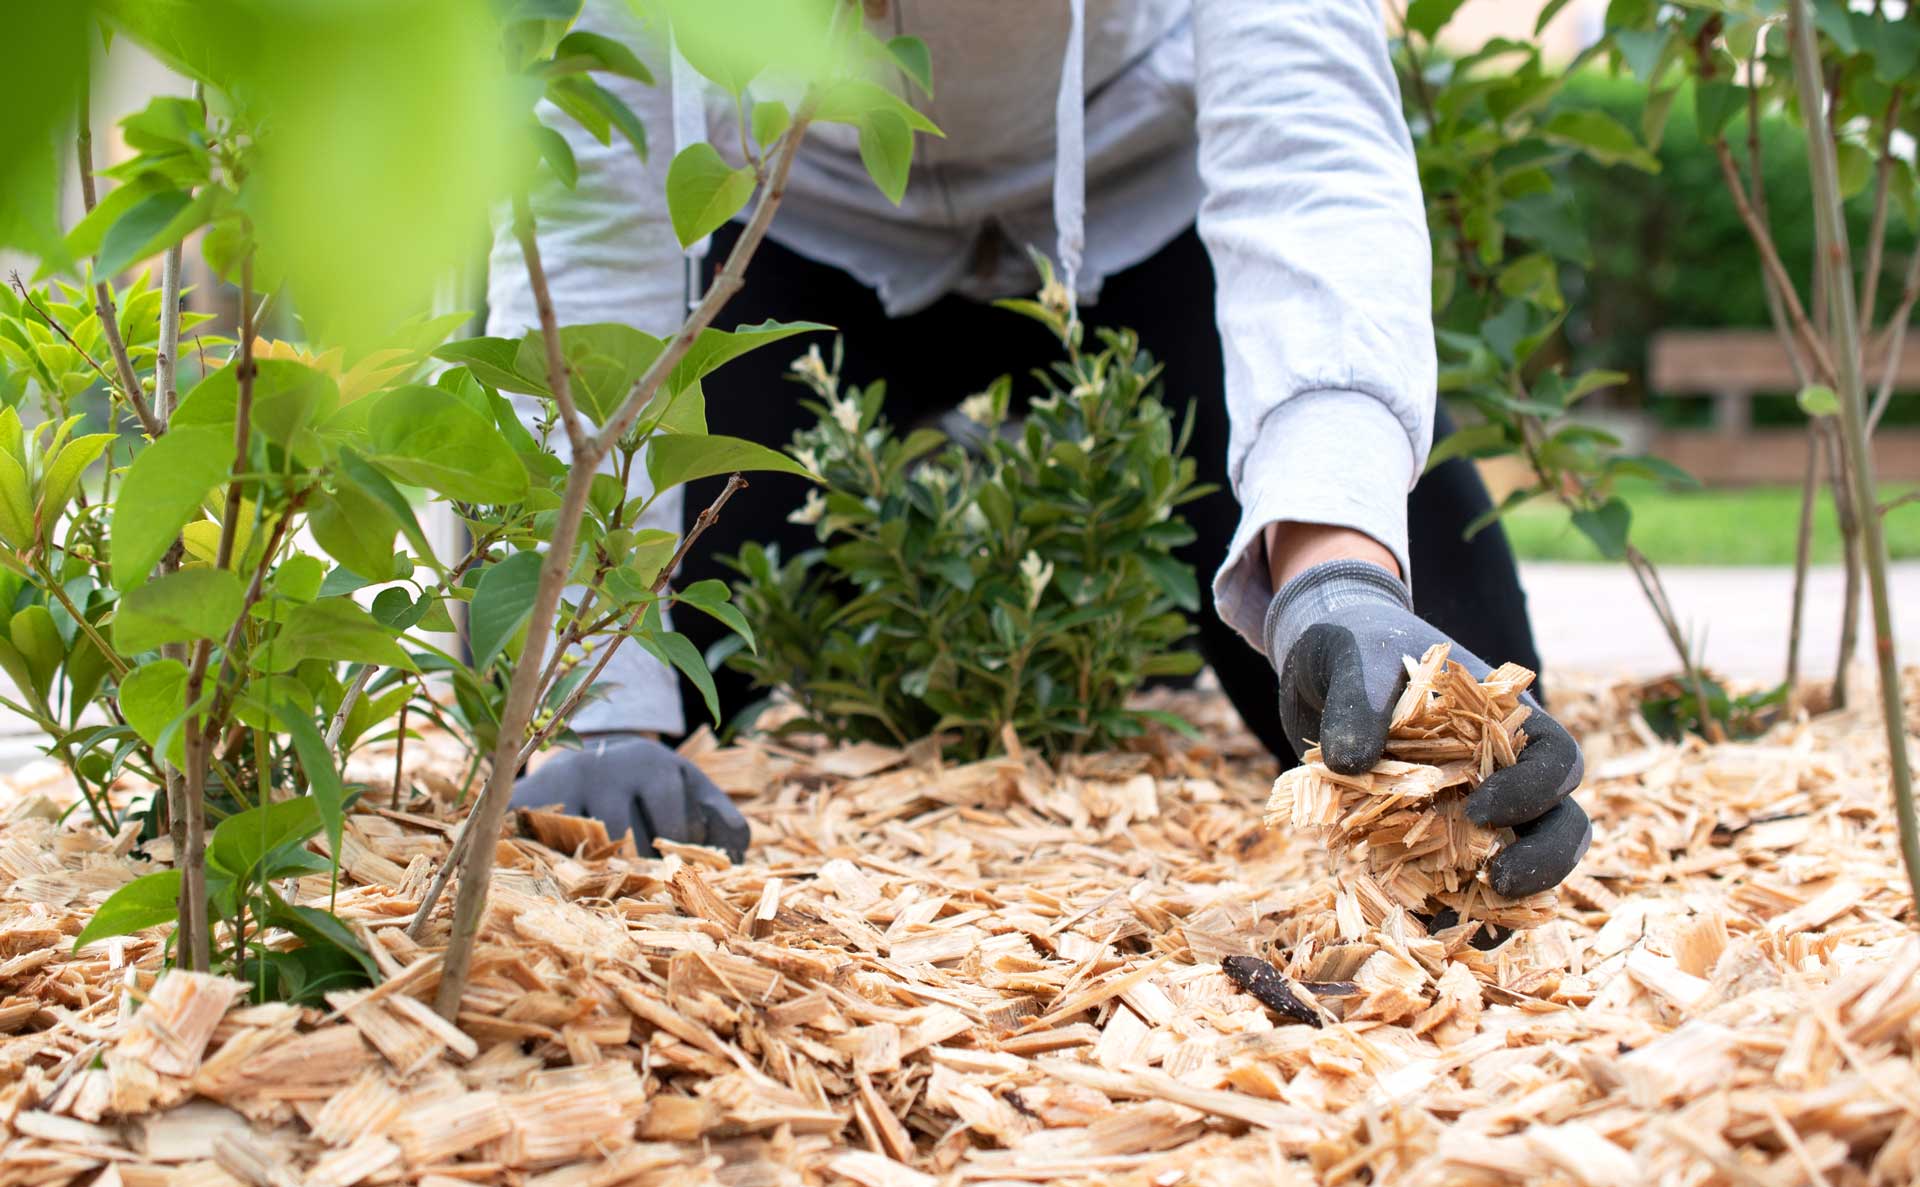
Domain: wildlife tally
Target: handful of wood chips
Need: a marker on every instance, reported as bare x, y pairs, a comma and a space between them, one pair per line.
1401, 830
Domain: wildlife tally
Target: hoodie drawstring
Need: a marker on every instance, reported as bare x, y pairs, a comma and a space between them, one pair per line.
689, 128
1070, 155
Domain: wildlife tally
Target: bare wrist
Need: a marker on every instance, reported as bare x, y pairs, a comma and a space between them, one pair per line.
1293, 548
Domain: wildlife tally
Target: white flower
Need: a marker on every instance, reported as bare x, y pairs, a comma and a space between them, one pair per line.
809, 459
1055, 296
810, 511
973, 519
935, 479
846, 414
1038, 574
978, 408
813, 369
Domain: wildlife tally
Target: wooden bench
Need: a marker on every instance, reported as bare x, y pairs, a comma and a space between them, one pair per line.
1731, 367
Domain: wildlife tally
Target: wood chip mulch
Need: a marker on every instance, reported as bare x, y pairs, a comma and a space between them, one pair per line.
1108, 971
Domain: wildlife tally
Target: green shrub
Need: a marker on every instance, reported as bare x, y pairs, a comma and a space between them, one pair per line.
1028, 582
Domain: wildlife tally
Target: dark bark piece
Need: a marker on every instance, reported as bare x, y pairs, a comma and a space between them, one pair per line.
1267, 985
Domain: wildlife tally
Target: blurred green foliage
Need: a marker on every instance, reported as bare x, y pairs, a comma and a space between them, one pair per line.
1669, 250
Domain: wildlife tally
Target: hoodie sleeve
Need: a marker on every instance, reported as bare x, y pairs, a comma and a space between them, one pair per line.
1314, 220
610, 256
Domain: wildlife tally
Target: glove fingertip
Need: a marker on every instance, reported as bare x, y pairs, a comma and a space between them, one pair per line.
1350, 751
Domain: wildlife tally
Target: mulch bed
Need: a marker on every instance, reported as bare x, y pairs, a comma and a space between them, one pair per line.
1102, 971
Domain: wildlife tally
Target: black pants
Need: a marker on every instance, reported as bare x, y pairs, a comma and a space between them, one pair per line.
933, 359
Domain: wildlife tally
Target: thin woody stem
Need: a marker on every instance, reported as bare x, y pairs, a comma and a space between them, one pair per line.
103, 300
476, 869
1830, 225
558, 381
1893, 344
705, 520
1877, 234
1770, 261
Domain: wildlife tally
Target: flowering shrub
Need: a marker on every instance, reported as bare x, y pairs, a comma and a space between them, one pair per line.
1026, 583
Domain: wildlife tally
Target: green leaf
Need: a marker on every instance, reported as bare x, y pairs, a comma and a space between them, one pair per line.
1601, 137
1714, 106
335, 629
1856, 166
289, 399
354, 471
558, 155
63, 474
603, 360
148, 901
85, 238
154, 224
713, 349
910, 54
1175, 579
770, 119
1547, 14
1818, 400
38, 641
703, 192
162, 491
492, 362
1607, 527
1482, 440
1642, 49
678, 650
298, 578
323, 777
682, 457
886, 149
430, 438
1427, 17
242, 841
355, 528
502, 602
616, 112
318, 929
604, 53
850, 102
16, 501
712, 597
153, 698
178, 607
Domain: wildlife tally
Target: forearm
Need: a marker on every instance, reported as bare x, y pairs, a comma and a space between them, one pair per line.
1293, 548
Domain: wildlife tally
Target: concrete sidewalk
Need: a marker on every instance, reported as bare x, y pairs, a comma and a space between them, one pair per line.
1593, 618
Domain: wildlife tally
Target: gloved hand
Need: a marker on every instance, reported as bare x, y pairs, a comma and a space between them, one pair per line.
640, 785
1337, 635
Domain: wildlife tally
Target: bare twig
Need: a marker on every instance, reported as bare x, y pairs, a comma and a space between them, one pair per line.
476, 871
1830, 225
59, 329
348, 700
103, 300
1893, 343
1912, 496
705, 520
1877, 233
193, 883
558, 381
1770, 261
1802, 557
1850, 556
400, 754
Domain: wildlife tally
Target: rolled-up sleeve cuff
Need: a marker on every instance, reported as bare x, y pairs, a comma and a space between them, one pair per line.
1333, 456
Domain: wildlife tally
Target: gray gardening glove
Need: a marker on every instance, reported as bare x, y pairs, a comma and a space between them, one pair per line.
640, 785
1338, 634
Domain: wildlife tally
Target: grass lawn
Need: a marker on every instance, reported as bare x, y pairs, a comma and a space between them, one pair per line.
1749, 526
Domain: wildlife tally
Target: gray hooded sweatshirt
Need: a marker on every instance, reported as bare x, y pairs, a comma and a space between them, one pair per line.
1098, 130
